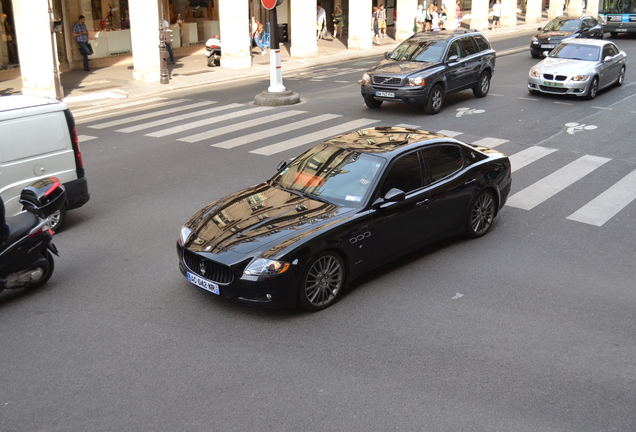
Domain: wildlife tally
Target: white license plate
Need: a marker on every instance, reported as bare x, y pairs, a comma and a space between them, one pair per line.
621, 30
552, 84
548, 46
203, 283
384, 94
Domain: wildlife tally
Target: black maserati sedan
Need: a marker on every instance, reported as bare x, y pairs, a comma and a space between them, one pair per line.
341, 208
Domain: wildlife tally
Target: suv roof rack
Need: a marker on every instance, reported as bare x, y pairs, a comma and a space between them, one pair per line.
464, 31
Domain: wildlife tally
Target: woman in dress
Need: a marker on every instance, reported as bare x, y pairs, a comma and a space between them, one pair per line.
338, 22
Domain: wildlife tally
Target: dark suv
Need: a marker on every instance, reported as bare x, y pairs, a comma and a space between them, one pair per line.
427, 66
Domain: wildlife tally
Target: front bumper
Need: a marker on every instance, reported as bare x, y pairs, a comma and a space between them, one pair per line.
278, 291
537, 48
564, 87
412, 95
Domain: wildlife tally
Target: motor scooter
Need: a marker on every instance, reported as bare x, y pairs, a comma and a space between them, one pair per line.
213, 51
26, 259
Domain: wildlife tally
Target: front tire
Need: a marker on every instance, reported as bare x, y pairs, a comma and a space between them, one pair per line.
435, 100
483, 85
322, 282
372, 103
481, 215
593, 90
47, 271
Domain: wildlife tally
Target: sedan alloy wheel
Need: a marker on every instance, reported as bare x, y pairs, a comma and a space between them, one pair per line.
322, 282
482, 213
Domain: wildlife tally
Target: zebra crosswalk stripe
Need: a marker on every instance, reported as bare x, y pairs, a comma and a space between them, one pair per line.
549, 186
246, 139
240, 126
311, 137
150, 115
166, 120
208, 121
90, 111
490, 142
527, 156
609, 203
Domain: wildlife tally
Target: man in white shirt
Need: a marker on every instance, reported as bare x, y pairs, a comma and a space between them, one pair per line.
321, 21
496, 15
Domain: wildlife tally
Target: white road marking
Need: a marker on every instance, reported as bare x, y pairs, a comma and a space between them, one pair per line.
530, 99
246, 139
563, 103
449, 133
164, 121
208, 121
602, 108
549, 186
240, 126
408, 126
82, 138
609, 203
490, 142
149, 115
100, 110
527, 156
315, 136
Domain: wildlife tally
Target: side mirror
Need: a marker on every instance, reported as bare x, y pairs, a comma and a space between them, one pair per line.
453, 58
281, 165
608, 59
387, 55
539, 29
395, 195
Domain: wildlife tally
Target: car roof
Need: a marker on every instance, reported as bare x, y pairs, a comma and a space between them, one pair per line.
442, 35
385, 139
572, 17
594, 42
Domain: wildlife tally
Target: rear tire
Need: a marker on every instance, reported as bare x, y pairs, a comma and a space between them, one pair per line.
621, 77
47, 270
481, 215
435, 100
483, 85
372, 103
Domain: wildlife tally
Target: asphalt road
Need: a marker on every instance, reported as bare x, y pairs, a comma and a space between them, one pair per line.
527, 329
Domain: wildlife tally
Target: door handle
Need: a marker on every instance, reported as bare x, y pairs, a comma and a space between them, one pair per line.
424, 202
470, 182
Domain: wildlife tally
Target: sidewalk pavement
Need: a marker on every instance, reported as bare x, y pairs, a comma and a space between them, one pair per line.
113, 81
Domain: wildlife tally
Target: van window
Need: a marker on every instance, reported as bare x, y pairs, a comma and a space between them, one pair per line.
30, 136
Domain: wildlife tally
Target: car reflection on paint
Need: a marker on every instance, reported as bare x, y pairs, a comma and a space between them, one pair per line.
338, 210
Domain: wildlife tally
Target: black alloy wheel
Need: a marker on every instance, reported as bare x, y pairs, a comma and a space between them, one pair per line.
372, 103
481, 215
47, 272
322, 282
483, 85
591, 93
621, 77
435, 100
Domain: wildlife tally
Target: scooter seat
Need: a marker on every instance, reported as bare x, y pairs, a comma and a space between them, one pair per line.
19, 225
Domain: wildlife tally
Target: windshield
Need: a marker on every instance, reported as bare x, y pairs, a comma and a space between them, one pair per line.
576, 52
565, 25
421, 51
340, 176
618, 6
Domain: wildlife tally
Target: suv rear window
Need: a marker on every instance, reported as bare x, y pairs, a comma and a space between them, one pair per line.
468, 47
481, 43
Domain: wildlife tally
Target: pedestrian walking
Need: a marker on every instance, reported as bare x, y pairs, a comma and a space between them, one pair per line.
420, 19
7, 36
374, 25
80, 33
167, 39
382, 21
338, 21
496, 16
434, 19
428, 18
321, 22
443, 16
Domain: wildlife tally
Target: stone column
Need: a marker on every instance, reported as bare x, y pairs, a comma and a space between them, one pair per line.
144, 38
508, 13
35, 47
360, 26
234, 23
303, 29
406, 10
575, 7
592, 7
479, 14
451, 15
556, 8
533, 11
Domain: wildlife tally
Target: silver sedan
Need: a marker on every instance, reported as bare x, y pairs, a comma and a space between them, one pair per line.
579, 67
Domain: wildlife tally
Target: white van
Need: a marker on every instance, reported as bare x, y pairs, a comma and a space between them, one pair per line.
38, 139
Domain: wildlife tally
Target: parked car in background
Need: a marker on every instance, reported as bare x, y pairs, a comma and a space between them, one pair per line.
426, 67
579, 67
338, 210
563, 28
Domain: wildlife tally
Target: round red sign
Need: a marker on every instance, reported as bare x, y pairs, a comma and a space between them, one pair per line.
268, 4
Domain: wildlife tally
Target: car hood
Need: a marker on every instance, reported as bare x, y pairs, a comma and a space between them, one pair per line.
392, 67
552, 36
559, 66
263, 218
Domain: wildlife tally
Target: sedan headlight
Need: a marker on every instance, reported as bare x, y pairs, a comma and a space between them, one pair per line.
534, 73
580, 77
184, 235
419, 81
534, 39
266, 267
366, 78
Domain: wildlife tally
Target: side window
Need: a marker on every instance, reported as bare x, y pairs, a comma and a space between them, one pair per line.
481, 43
442, 160
612, 49
586, 25
606, 52
454, 49
405, 174
468, 47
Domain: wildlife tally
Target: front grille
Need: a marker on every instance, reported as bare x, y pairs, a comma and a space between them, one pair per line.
553, 89
207, 269
382, 80
553, 78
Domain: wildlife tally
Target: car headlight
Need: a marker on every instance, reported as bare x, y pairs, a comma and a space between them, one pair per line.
580, 77
366, 78
534, 39
534, 73
266, 267
419, 81
184, 235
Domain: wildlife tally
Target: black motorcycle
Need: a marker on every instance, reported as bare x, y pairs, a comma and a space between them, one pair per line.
25, 239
